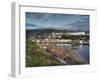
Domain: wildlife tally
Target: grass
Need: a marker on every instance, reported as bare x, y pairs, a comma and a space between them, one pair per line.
36, 56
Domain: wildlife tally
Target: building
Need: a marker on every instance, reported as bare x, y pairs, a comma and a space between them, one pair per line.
75, 33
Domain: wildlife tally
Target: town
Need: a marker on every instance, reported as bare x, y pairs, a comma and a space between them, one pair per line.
48, 40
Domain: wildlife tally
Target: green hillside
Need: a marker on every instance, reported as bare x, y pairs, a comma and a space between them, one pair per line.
36, 56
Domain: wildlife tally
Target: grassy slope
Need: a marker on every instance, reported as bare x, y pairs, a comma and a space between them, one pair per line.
36, 56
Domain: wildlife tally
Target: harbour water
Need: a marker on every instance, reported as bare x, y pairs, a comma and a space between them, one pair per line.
83, 50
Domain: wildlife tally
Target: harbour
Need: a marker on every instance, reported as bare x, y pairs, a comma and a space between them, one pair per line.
67, 53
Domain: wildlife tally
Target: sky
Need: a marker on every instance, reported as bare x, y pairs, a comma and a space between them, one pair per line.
75, 22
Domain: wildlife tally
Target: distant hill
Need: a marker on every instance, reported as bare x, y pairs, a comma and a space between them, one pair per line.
51, 30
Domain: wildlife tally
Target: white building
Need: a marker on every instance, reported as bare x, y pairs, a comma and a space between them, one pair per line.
76, 33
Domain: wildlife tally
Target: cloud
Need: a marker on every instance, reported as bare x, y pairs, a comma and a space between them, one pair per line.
81, 22
31, 25
34, 15
59, 21
30, 28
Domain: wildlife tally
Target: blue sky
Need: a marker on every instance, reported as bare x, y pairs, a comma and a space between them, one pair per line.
57, 21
